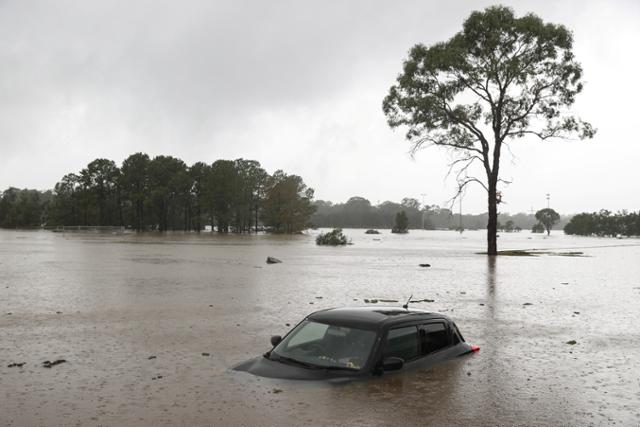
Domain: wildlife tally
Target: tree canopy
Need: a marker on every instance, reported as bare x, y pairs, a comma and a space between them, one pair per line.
548, 218
605, 223
401, 224
499, 79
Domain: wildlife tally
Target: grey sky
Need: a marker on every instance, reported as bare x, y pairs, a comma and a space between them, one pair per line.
295, 85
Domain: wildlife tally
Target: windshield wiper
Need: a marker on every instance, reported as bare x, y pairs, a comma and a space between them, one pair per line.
339, 368
289, 360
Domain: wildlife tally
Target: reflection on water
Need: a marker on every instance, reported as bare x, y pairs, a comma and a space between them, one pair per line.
201, 303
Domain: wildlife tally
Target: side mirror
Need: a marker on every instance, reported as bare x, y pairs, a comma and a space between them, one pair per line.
275, 340
392, 364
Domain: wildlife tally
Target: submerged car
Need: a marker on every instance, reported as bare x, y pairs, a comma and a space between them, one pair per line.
360, 342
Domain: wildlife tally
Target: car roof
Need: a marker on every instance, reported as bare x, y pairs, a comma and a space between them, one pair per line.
371, 317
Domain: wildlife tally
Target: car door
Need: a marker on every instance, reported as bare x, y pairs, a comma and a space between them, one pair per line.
437, 341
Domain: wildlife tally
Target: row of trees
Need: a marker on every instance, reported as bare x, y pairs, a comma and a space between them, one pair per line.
605, 223
163, 193
23, 208
358, 212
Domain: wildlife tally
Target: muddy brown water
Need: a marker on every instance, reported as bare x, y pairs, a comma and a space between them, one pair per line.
107, 303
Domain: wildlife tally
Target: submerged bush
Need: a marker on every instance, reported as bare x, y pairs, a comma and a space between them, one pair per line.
334, 237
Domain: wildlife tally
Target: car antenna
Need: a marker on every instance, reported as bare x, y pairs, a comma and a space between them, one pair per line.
406, 306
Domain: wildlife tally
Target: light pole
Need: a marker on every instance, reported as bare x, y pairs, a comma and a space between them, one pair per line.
423, 208
548, 198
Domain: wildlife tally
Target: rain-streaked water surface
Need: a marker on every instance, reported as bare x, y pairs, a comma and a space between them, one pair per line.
108, 304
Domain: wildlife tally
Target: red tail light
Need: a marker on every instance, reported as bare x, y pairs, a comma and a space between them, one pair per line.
475, 348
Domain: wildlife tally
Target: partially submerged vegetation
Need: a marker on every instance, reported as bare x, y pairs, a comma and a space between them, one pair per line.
401, 225
605, 224
334, 237
164, 193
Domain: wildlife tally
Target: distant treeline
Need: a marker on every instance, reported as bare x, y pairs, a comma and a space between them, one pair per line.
164, 193
358, 212
605, 223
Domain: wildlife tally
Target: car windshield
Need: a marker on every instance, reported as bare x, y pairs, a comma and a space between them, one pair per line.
315, 344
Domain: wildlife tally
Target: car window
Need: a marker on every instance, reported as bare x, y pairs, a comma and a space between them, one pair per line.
312, 332
402, 343
433, 337
330, 346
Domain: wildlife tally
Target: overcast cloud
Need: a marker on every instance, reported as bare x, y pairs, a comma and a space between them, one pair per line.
296, 85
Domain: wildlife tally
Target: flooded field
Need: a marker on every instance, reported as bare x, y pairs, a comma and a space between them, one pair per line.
150, 325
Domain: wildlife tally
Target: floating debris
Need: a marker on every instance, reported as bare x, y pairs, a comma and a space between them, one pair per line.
388, 300
276, 391
424, 265
572, 342
49, 364
16, 365
206, 354
151, 357
273, 260
528, 303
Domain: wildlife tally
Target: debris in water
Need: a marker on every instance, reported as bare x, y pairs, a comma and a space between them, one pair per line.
151, 357
206, 354
564, 283
424, 265
157, 377
572, 342
576, 312
318, 297
16, 365
481, 304
276, 391
388, 300
528, 303
273, 260
48, 364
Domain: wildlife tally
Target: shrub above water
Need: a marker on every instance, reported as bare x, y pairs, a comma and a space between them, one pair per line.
334, 237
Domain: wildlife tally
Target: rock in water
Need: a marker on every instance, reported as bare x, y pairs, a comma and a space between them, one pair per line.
272, 260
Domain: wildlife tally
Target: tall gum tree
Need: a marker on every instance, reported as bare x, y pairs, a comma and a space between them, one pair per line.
501, 78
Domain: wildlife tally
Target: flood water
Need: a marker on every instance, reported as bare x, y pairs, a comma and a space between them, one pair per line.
108, 303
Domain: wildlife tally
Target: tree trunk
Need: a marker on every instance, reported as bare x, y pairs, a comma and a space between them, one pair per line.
492, 225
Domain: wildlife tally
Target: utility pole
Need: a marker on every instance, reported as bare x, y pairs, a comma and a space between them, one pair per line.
548, 198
